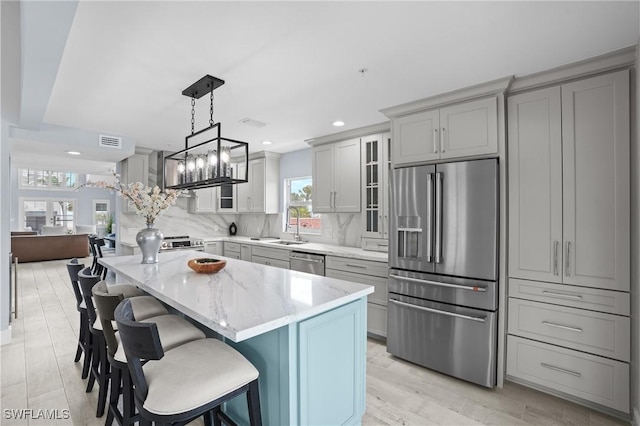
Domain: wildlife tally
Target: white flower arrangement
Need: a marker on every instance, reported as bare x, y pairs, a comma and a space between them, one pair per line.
148, 202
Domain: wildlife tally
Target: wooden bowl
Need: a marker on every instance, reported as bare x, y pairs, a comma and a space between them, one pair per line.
206, 265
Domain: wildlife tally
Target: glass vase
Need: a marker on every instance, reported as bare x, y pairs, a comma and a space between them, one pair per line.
149, 240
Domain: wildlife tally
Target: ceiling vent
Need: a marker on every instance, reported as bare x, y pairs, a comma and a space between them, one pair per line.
253, 123
105, 141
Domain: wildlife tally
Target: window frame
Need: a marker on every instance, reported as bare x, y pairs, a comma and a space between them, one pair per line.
288, 229
46, 175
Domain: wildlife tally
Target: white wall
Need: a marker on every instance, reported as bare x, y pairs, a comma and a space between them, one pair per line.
9, 113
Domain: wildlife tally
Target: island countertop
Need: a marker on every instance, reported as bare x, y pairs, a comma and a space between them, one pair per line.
241, 301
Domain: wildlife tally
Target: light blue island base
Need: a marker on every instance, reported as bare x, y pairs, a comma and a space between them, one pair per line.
312, 372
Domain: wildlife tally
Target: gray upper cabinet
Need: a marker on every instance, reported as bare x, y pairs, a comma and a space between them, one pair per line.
336, 177
569, 183
375, 191
459, 130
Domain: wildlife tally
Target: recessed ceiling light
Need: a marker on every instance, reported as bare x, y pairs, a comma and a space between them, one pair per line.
338, 123
266, 142
73, 153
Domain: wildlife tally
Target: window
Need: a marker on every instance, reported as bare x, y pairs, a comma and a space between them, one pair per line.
45, 179
299, 192
101, 212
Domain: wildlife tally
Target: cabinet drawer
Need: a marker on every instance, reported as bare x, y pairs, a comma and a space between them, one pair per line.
613, 302
270, 262
379, 294
375, 244
593, 378
601, 334
272, 253
369, 267
377, 319
231, 246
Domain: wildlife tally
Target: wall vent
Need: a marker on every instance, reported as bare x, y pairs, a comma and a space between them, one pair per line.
253, 123
105, 141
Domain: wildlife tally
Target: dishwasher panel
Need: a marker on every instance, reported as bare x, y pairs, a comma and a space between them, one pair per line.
307, 262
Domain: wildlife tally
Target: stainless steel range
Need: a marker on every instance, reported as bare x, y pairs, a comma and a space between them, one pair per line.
181, 242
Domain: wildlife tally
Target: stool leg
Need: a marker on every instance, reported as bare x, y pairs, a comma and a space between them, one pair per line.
88, 350
128, 404
112, 409
103, 376
253, 400
208, 418
81, 338
95, 361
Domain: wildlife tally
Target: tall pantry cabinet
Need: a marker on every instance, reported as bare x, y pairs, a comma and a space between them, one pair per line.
569, 246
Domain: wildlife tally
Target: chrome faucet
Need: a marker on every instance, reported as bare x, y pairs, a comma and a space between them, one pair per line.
297, 234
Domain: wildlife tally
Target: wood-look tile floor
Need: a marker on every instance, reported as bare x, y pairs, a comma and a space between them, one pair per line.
38, 372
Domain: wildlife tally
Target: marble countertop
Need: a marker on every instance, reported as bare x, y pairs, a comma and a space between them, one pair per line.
326, 249
241, 301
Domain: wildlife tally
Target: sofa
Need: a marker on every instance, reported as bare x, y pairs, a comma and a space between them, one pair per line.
36, 248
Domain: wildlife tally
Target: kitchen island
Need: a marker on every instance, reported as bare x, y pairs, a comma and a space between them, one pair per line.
305, 334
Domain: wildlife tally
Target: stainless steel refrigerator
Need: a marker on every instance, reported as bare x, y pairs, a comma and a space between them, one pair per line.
443, 258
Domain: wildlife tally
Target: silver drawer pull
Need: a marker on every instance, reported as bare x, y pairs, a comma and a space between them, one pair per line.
437, 311
355, 266
568, 296
562, 370
439, 284
564, 327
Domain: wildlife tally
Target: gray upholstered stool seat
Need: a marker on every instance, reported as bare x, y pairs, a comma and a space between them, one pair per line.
173, 330
127, 290
145, 306
214, 369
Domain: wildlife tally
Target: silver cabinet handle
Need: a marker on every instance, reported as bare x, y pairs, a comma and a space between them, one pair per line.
439, 284
429, 217
438, 217
568, 262
564, 327
568, 296
435, 140
442, 140
437, 311
555, 257
355, 266
562, 370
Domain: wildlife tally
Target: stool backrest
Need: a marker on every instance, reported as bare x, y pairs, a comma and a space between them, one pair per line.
73, 267
140, 340
87, 281
106, 305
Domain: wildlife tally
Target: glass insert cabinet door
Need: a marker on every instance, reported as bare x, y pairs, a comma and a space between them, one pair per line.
375, 162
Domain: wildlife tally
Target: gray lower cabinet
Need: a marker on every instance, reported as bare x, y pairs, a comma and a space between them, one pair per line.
270, 256
231, 250
370, 273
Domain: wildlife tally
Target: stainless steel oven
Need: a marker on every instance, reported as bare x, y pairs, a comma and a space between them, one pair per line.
181, 242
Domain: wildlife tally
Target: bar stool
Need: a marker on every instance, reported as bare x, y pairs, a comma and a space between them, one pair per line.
215, 374
173, 330
100, 368
84, 335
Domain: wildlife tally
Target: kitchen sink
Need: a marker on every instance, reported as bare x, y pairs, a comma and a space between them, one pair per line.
287, 243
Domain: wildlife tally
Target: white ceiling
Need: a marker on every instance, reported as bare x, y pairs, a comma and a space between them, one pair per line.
295, 65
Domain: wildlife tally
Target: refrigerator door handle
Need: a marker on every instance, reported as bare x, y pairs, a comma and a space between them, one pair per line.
440, 284
438, 229
429, 227
437, 311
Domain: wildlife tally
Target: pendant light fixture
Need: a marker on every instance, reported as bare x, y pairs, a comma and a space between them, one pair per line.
207, 159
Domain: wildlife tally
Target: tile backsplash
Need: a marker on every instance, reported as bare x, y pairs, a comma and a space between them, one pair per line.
340, 229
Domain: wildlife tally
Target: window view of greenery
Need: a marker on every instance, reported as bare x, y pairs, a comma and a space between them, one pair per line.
45, 179
300, 193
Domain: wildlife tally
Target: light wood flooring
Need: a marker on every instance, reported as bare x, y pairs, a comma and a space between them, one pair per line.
38, 372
